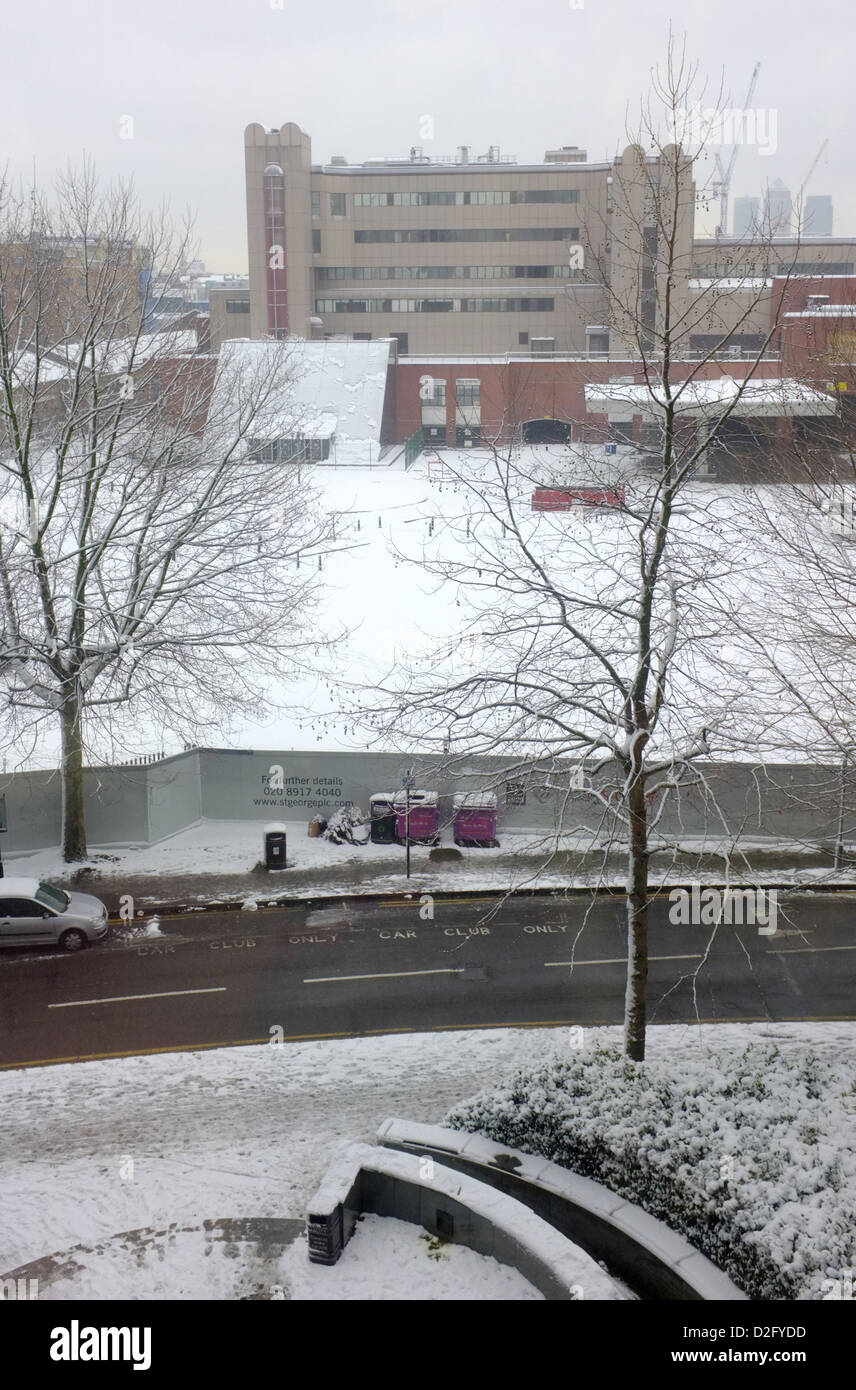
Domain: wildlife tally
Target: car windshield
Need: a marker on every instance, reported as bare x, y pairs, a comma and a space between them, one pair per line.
49, 896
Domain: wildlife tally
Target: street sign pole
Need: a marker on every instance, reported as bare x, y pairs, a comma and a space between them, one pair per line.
408, 779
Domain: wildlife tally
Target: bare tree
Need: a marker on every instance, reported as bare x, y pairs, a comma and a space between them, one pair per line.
590, 650
149, 530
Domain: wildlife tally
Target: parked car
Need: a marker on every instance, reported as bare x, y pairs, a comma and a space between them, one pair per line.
34, 913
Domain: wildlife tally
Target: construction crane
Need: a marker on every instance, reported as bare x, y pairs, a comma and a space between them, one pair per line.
722, 182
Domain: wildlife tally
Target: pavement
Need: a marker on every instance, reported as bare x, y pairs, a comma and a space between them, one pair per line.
774, 865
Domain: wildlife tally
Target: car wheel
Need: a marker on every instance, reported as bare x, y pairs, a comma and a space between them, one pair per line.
72, 940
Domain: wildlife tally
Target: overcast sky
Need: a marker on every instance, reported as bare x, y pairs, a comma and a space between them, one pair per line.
360, 77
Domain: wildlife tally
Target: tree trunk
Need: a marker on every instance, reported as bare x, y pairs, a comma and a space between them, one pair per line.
73, 813
637, 922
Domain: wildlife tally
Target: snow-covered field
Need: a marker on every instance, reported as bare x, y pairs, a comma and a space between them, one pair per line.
394, 610
96, 1149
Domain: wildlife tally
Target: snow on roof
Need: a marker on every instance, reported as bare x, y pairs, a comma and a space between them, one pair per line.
115, 354
830, 311
747, 283
27, 363
473, 801
696, 399
314, 389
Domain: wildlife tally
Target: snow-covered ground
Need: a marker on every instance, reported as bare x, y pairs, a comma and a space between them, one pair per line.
212, 852
96, 1149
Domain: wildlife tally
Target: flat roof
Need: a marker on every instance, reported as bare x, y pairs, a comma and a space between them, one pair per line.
760, 397
774, 241
424, 168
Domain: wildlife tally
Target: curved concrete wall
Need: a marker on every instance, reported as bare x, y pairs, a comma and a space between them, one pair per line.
654, 1261
456, 1208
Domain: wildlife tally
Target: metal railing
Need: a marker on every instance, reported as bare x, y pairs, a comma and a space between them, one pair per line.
413, 448
696, 355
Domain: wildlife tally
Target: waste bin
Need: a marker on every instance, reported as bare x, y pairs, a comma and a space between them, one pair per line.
475, 820
424, 818
274, 846
382, 813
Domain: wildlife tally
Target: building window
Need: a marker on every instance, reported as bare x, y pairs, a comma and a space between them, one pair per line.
402, 342
316, 204
337, 204
435, 394
237, 306
522, 339
468, 393
362, 337
297, 450
743, 270
316, 241
447, 234
443, 272
597, 344
476, 197
546, 195
434, 306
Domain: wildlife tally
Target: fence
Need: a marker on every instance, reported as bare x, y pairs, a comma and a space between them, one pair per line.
141, 804
413, 448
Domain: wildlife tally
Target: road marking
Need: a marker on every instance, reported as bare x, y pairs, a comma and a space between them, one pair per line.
616, 960
123, 998
386, 975
815, 950
439, 900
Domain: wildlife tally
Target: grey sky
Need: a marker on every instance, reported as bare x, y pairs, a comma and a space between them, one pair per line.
359, 76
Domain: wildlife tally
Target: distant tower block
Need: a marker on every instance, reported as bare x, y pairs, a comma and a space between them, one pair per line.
778, 210
817, 217
747, 212
277, 296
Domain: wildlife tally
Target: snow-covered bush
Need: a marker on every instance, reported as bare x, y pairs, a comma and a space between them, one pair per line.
750, 1155
343, 825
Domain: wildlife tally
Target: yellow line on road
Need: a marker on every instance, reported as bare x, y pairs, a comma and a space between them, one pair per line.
437, 1028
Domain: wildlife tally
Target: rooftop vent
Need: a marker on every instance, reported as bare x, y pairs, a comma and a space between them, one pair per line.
565, 154
338, 159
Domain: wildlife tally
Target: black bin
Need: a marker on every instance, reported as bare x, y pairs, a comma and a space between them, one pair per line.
382, 813
274, 847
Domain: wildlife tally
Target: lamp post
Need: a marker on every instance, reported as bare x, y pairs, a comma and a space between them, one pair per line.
842, 795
